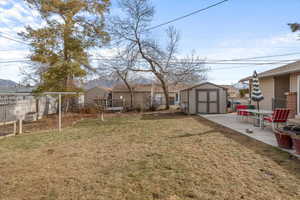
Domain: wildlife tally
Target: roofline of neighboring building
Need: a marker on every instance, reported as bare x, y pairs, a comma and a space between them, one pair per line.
154, 86
198, 85
127, 91
143, 91
261, 75
100, 87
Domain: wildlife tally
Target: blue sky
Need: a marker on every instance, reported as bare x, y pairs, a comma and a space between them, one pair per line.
236, 29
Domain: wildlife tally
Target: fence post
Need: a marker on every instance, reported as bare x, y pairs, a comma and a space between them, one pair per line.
15, 128
59, 112
20, 126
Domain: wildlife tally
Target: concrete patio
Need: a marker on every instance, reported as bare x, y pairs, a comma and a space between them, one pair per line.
231, 121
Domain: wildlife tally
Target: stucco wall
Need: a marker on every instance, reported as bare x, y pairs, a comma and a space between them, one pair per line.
267, 88
162, 99
94, 93
294, 82
141, 100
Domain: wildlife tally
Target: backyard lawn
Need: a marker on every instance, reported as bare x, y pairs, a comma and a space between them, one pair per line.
143, 157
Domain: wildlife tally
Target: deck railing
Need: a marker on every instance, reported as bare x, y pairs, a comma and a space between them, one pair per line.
109, 103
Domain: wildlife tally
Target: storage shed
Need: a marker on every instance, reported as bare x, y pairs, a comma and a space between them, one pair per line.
205, 98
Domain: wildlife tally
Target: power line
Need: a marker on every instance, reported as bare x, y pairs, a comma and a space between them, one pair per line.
226, 60
230, 68
187, 15
14, 61
11, 35
259, 57
217, 61
245, 63
12, 39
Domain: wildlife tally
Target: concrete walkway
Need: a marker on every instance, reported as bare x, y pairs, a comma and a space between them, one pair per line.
231, 121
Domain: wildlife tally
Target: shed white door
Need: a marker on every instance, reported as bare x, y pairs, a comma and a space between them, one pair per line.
207, 101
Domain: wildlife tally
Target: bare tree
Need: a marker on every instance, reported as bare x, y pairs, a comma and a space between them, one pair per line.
118, 68
134, 30
189, 70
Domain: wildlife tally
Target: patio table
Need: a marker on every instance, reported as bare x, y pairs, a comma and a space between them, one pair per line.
260, 113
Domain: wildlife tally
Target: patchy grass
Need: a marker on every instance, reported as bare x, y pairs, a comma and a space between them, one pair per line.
153, 156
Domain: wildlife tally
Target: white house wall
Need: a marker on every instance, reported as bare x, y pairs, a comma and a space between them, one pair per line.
268, 91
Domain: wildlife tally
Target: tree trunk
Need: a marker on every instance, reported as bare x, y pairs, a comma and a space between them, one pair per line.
131, 96
131, 99
166, 93
131, 92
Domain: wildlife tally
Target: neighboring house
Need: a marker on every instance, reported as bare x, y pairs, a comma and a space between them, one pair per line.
145, 95
280, 88
232, 91
96, 93
205, 98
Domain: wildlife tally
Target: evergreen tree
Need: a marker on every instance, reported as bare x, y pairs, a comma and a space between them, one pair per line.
72, 28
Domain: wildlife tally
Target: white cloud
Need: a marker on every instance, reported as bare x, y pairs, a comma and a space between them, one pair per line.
14, 15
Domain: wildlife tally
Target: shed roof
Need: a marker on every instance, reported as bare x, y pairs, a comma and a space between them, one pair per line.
204, 83
285, 69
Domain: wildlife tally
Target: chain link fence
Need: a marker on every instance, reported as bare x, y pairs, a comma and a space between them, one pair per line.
28, 112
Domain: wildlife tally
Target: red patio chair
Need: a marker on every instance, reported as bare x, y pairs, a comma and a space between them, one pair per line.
242, 114
279, 116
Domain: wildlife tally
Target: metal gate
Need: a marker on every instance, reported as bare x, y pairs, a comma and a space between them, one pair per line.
207, 101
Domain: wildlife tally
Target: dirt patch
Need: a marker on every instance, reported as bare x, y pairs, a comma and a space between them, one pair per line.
126, 157
49, 122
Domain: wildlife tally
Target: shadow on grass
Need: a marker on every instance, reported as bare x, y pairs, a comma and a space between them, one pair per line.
163, 115
282, 158
192, 135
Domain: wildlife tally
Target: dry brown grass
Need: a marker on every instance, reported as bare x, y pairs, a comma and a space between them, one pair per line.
155, 156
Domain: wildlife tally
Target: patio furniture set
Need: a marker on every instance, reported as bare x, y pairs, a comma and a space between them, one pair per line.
287, 136
263, 117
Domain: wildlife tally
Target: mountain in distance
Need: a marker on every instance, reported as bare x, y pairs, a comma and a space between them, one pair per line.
112, 82
241, 85
4, 83
100, 82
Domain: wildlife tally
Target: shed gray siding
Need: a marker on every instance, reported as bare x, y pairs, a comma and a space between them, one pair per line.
192, 98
